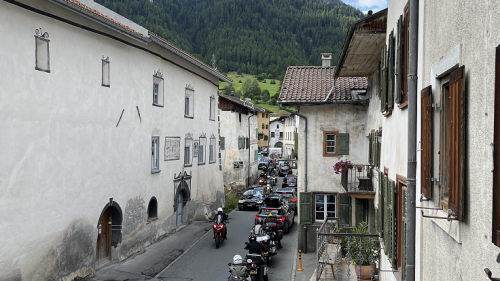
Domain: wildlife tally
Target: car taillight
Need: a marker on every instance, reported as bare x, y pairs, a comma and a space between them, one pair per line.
283, 219
293, 200
281, 170
256, 217
254, 265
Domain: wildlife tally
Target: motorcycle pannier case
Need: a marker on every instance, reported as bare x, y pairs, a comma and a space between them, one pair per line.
279, 235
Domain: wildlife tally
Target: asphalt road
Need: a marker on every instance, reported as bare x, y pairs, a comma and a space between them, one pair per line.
206, 263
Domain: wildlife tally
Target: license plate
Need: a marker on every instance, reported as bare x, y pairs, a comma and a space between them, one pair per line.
253, 272
266, 253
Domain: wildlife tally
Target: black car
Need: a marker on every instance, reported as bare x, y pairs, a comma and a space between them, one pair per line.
251, 198
289, 181
284, 214
289, 196
284, 169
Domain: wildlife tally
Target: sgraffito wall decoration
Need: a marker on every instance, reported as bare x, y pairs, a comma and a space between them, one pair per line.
196, 143
172, 148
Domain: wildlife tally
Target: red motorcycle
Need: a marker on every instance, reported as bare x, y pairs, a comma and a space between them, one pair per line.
219, 231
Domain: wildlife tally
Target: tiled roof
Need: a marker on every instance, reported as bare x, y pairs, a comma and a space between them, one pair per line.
77, 3
249, 105
304, 84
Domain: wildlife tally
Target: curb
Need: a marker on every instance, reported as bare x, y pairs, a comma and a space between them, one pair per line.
294, 267
187, 250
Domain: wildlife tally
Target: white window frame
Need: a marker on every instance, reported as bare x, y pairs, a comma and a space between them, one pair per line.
211, 151
189, 103
105, 81
212, 108
155, 154
158, 89
201, 150
42, 51
325, 210
188, 155
334, 146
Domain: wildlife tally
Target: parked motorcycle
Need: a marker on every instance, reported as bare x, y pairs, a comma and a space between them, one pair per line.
219, 231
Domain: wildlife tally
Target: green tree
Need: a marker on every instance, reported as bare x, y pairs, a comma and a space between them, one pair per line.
265, 96
247, 88
255, 89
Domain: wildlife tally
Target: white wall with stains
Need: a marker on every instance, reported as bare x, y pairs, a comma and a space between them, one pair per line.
63, 155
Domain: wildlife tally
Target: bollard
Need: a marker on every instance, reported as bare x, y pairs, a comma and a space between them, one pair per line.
300, 261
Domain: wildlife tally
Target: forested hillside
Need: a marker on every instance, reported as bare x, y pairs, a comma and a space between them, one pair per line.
249, 36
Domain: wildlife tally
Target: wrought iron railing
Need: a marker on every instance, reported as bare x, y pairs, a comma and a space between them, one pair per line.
358, 179
346, 252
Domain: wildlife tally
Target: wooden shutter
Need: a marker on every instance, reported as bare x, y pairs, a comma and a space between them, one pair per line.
383, 80
426, 141
370, 148
343, 144
393, 207
386, 214
390, 87
400, 74
359, 211
403, 233
345, 210
222, 143
380, 217
457, 142
496, 155
305, 208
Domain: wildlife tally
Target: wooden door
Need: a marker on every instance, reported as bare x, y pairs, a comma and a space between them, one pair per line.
104, 238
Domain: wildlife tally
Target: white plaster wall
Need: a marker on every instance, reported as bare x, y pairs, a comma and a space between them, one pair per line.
472, 27
273, 126
63, 156
289, 143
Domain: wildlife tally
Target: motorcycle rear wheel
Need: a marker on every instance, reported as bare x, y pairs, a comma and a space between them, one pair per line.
217, 241
254, 278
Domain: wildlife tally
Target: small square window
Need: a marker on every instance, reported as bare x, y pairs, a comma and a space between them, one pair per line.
105, 72
189, 104
42, 54
155, 152
158, 92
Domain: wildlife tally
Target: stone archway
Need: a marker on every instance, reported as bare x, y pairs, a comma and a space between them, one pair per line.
109, 231
182, 189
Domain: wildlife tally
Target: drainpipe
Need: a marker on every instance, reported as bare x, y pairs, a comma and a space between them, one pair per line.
412, 141
304, 235
249, 146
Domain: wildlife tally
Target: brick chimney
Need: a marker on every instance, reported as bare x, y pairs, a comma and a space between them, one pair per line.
326, 59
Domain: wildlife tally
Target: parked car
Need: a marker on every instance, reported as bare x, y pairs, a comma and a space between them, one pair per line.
289, 196
284, 169
263, 162
285, 214
289, 181
251, 198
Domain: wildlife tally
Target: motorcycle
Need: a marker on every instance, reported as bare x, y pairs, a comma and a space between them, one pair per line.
219, 231
262, 181
239, 272
258, 269
266, 241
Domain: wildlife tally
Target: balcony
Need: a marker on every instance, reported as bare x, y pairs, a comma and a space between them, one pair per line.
357, 182
346, 256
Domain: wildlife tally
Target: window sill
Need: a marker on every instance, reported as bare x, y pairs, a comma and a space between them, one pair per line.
189, 117
453, 228
199, 164
211, 119
155, 171
43, 70
388, 112
189, 165
403, 105
104, 85
150, 220
157, 105
212, 162
330, 155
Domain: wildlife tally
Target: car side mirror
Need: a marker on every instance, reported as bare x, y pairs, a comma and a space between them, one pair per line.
246, 243
229, 264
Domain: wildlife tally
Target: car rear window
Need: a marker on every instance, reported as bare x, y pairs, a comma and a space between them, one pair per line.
268, 211
287, 195
292, 179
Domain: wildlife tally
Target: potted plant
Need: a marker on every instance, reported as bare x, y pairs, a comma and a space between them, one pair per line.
360, 249
342, 166
359, 167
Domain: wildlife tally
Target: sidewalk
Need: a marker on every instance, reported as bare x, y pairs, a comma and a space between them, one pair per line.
156, 257
308, 266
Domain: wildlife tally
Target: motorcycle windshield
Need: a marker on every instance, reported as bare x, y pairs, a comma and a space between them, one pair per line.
218, 219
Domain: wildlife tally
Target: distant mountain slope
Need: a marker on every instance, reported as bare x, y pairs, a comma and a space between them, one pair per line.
251, 36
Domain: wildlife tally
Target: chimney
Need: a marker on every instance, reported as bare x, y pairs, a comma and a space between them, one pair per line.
326, 59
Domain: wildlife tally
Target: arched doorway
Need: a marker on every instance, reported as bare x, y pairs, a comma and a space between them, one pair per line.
278, 144
182, 189
109, 231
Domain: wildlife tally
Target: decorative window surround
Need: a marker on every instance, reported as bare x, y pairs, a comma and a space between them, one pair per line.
158, 89
211, 151
212, 108
42, 53
155, 154
189, 102
187, 150
105, 82
201, 149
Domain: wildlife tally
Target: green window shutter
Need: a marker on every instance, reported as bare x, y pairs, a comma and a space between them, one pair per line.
305, 211
343, 144
345, 210
383, 81
380, 217
296, 138
222, 143
370, 149
386, 213
394, 227
403, 234
359, 211
399, 78
248, 143
256, 155
256, 133
390, 93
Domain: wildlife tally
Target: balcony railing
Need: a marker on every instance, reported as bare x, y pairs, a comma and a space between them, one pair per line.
358, 180
342, 256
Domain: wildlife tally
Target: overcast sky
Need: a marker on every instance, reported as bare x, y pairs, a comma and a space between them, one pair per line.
365, 5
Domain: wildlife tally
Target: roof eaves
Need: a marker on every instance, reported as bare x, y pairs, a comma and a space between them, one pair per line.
96, 16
